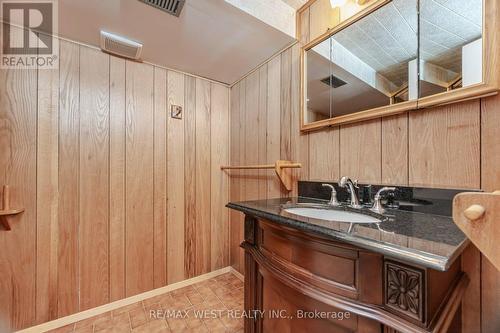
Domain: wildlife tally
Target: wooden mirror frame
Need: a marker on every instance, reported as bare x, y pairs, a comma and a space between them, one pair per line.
491, 70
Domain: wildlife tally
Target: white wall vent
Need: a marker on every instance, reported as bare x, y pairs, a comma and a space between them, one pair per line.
173, 7
120, 46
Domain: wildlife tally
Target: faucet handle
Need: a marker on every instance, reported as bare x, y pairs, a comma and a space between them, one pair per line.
377, 204
378, 195
333, 196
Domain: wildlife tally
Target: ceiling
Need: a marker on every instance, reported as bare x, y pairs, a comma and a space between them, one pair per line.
345, 99
211, 38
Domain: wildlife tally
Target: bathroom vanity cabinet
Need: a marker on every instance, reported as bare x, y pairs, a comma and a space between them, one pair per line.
303, 277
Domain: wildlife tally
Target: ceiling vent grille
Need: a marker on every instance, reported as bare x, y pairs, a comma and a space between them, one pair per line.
333, 81
173, 7
120, 46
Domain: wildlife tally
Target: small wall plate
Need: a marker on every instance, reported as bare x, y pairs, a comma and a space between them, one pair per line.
176, 111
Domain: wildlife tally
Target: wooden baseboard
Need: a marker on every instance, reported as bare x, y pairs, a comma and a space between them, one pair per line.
237, 274
60, 322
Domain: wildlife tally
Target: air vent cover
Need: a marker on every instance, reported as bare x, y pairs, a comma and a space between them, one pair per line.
173, 7
333, 81
120, 46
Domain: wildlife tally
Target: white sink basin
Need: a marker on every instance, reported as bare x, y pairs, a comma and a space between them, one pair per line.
333, 215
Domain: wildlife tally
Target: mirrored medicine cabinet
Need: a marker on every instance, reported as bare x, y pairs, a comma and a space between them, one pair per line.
398, 55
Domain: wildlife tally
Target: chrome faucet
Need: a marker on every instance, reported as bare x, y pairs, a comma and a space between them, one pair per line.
351, 187
333, 198
377, 204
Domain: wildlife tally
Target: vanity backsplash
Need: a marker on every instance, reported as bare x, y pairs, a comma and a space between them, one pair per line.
414, 199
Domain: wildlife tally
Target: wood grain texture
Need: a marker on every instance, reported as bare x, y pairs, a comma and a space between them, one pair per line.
219, 181
47, 199
324, 155
264, 175
299, 141
235, 220
87, 149
395, 150
303, 27
94, 178
439, 139
18, 118
251, 123
203, 188
471, 305
139, 204
490, 181
175, 175
286, 111
190, 177
273, 122
490, 297
322, 17
243, 175
117, 178
160, 178
69, 180
360, 151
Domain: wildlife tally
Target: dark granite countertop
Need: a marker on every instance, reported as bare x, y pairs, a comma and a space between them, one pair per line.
427, 240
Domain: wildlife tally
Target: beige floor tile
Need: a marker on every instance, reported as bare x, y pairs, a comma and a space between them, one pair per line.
155, 326
93, 320
138, 317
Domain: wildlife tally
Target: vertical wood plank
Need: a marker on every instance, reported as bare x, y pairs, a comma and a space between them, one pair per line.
303, 29
18, 165
235, 181
202, 177
117, 149
175, 175
361, 151
251, 123
286, 111
490, 296
273, 122
69, 178
471, 303
324, 156
94, 178
322, 17
190, 176
299, 142
264, 175
139, 204
219, 127
395, 150
160, 178
439, 139
490, 181
242, 174
46, 193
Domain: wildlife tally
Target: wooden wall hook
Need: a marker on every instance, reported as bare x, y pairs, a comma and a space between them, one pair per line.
6, 210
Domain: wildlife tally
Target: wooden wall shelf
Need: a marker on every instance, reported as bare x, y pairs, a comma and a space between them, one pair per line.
6, 210
281, 167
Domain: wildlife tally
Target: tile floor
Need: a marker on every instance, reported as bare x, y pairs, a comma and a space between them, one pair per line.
209, 306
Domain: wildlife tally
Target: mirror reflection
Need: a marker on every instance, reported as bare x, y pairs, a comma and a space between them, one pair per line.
450, 45
366, 65
319, 91
393, 55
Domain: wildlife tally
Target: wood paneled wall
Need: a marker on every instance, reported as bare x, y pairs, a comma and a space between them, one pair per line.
120, 198
454, 146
